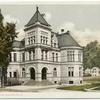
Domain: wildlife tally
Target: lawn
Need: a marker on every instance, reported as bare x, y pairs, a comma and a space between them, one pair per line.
81, 87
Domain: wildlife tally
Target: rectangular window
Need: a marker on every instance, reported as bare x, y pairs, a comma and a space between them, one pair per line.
80, 71
23, 57
29, 55
70, 71
41, 54
45, 55
70, 56
46, 40
54, 44
70, 82
53, 56
56, 56
79, 56
34, 39
10, 74
41, 39
15, 57
33, 54
29, 42
15, 74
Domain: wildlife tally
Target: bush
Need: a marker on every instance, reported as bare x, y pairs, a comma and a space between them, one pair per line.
87, 75
13, 81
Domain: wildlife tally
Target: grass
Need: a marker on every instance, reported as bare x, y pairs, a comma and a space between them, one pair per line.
81, 87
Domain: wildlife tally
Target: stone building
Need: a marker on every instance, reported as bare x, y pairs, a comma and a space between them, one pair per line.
46, 55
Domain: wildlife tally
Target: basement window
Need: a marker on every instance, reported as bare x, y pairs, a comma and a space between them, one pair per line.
70, 82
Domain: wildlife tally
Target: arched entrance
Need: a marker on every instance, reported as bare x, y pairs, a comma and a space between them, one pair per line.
44, 73
32, 73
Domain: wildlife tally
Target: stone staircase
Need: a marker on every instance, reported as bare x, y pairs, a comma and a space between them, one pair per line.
37, 83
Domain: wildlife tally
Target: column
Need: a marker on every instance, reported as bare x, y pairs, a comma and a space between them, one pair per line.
38, 53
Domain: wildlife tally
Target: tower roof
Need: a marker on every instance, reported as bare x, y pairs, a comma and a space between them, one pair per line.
65, 40
37, 17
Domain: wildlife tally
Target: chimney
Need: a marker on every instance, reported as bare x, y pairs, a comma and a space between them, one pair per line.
62, 30
43, 15
68, 32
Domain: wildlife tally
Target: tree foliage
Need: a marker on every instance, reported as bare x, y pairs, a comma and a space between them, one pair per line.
92, 55
7, 37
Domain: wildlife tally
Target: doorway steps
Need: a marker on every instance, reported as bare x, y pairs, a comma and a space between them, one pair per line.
37, 83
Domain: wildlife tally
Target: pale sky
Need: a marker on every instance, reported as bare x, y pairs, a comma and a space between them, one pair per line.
82, 20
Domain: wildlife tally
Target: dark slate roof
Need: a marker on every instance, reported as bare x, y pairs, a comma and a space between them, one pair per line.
65, 40
37, 17
19, 44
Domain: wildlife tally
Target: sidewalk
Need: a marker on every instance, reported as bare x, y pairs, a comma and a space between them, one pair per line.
31, 88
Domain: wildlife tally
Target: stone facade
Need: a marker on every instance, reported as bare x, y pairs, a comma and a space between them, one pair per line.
46, 55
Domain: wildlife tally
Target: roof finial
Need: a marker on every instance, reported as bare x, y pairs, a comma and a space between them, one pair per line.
37, 8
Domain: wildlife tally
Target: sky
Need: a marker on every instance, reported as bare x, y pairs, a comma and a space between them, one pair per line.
83, 21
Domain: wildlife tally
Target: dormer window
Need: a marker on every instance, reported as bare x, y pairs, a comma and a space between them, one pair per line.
54, 44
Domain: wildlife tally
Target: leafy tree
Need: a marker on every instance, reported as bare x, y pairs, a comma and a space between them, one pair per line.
7, 37
91, 55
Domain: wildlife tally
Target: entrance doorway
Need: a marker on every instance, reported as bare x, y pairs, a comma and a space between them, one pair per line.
44, 73
32, 73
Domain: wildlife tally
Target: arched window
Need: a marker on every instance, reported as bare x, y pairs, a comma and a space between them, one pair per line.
23, 73
54, 72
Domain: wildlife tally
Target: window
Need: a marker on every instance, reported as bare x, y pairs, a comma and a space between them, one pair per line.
80, 71
54, 44
15, 74
33, 39
70, 82
33, 54
54, 72
70, 71
80, 82
79, 56
23, 56
53, 56
23, 73
46, 55
41, 54
29, 42
41, 39
70, 56
46, 40
15, 57
56, 56
10, 74
29, 55
51, 42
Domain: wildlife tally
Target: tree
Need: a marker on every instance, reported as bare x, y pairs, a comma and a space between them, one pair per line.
91, 55
7, 37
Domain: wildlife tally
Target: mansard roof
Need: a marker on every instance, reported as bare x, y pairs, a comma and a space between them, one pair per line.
37, 17
65, 40
18, 44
